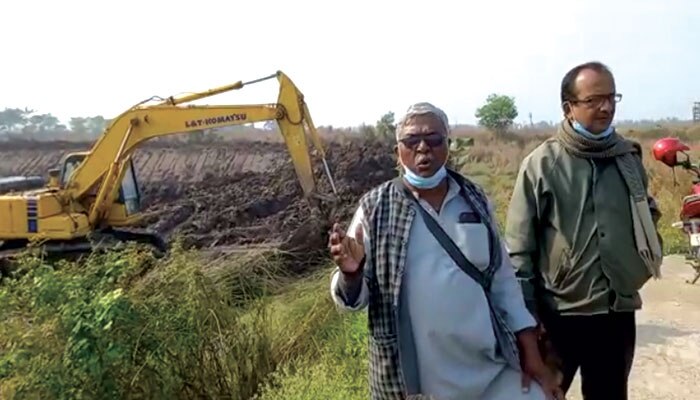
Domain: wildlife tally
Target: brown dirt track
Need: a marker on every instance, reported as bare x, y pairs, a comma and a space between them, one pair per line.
230, 193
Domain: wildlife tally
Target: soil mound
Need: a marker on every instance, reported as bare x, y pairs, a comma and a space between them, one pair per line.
254, 208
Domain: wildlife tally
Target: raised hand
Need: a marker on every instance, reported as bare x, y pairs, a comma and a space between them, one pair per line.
347, 252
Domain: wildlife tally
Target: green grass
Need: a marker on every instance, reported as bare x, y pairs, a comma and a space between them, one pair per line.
125, 325
339, 372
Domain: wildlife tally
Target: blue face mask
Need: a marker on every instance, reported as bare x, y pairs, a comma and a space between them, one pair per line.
584, 132
422, 182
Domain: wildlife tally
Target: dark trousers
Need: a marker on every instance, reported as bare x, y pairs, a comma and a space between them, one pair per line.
602, 346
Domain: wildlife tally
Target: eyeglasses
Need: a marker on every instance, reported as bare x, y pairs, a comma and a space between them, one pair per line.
432, 140
598, 100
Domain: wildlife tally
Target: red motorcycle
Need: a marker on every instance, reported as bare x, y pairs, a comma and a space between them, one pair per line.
667, 150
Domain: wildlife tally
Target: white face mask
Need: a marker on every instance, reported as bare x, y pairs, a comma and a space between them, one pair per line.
584, 132
422, 182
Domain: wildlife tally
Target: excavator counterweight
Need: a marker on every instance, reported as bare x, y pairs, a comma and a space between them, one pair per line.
92, 200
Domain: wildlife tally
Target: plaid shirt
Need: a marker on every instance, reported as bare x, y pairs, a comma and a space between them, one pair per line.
389, 216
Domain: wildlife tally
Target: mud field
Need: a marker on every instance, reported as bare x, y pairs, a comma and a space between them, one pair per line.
231, 193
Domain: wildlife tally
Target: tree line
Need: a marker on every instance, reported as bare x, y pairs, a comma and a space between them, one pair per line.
25, 121
497, 114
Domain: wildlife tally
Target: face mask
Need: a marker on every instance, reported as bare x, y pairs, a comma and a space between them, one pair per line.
584, 132
422, 182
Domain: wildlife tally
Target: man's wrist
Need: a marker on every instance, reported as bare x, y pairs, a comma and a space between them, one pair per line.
527, 340
527, 333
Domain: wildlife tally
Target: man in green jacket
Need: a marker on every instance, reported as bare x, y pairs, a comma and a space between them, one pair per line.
581, 234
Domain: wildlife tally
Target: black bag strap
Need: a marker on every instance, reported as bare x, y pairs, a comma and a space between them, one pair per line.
445, 241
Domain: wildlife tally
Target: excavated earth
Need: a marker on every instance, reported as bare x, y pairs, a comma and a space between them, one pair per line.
232, 194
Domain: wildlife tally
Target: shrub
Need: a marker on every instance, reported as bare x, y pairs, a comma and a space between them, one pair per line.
123, 325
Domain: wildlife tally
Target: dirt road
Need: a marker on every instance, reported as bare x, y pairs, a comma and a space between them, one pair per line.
667, 361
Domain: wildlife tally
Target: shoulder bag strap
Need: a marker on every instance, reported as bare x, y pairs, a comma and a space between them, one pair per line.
445, 241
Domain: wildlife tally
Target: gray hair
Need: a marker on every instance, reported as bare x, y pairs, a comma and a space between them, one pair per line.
422, 108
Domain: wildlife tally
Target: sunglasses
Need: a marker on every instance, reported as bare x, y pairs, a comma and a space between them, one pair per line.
432, 140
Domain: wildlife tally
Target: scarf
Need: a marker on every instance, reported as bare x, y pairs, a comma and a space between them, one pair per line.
625, 152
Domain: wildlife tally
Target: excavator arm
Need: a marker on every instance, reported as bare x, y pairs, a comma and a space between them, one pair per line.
104, 165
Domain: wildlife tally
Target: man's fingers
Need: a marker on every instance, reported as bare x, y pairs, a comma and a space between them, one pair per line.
337, 250
338, 229
334, 238
552, 390
555, 394
359, 234
344, 248
559, 394
525, 382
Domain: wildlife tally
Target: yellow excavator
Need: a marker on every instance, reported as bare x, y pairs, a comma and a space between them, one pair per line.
93, 198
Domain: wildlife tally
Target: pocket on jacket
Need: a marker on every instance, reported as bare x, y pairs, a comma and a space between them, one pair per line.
387, 249
627, 302
560, 265
473, 239
384, 367
637, 276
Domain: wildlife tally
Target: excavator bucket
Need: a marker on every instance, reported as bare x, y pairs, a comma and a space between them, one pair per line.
295, 127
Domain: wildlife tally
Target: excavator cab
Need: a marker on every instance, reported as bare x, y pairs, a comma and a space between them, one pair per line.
69, 164
128, 201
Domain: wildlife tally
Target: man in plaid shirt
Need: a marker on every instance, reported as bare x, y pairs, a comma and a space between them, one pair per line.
433, 329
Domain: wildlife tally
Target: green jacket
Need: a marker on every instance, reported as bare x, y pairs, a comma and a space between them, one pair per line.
570, 234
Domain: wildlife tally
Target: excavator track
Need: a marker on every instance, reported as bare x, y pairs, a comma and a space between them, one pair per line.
102, 240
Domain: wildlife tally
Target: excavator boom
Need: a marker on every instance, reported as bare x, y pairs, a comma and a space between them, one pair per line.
142, 123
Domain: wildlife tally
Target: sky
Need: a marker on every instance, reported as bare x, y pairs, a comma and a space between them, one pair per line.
354, 61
